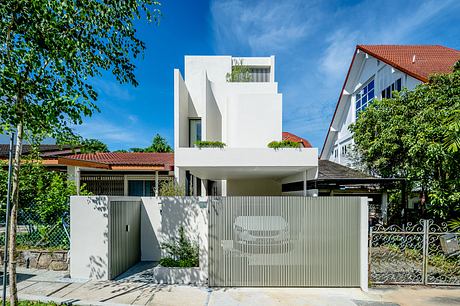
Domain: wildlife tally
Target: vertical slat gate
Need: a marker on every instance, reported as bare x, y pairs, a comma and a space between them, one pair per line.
284, 241
124, 231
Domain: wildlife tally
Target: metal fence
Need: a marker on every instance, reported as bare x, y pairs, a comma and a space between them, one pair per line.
423, 253
32, 233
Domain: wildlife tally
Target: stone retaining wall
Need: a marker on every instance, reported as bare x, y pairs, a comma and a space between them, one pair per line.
42, 259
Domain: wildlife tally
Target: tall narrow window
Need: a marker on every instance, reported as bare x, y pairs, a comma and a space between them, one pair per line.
387, 93
195, 131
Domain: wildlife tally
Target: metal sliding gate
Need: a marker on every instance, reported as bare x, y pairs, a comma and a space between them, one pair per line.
124, 232
284, 241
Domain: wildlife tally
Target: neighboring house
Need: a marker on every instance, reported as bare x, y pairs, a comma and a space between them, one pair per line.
246, 116
49, 154
375, 72
120, 174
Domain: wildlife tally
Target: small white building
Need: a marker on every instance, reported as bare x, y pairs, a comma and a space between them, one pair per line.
375, 72
245, 116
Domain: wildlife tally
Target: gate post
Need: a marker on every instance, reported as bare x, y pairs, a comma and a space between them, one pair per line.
369, 256
425, 252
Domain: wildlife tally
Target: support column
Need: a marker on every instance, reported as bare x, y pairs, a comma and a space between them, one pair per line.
156, 184
125, 185
305, 183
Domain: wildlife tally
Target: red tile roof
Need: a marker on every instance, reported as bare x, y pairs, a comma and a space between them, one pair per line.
429, 59
419, 61
108, 160
292, 137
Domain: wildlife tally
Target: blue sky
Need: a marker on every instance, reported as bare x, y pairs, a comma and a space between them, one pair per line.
313, 42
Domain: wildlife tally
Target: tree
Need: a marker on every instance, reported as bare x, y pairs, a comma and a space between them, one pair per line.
93, 146
405, 137
51, 50
90, 145
159, 144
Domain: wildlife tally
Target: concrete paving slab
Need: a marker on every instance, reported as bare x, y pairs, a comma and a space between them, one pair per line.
180, 295
42, 288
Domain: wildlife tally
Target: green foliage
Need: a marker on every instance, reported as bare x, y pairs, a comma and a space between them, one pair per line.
45, 194
209, 144
51, 51
171, 188
240, 72
283, 144
34, 303
405, 137
452, 135
159, 144
93, 146
180, 252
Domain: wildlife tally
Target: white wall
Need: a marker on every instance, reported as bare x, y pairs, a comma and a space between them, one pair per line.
364, 69
254, 120
89, 232
160, 220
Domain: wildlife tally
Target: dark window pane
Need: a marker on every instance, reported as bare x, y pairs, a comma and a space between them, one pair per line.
398, 85
371, 85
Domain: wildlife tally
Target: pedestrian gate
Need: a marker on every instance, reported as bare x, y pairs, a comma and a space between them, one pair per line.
285, 241
124, 242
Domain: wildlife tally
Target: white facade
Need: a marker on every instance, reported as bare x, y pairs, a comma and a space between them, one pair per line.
246, 116
364, 70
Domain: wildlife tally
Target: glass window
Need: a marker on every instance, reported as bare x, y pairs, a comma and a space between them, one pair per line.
364, 97
140, 188
387, 93
195, 131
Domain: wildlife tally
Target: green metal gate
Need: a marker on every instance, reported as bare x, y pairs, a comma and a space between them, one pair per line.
285, 241
124, 231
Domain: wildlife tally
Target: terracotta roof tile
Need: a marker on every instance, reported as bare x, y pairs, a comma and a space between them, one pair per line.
419, 61
292, 137
131, 159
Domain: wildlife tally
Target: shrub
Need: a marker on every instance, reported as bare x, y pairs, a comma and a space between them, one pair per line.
180, 252
283, 144
209, 144
171, 188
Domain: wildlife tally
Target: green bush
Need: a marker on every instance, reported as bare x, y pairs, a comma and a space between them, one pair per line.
171, 188
209, 144
180, 252
283, 144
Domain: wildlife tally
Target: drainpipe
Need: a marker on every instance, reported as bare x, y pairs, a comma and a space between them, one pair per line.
156, 184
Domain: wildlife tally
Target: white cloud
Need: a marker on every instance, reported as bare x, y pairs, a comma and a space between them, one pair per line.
313, 42
262, 27
113, 89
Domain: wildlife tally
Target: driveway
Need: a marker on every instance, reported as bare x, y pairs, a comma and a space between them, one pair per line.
55, 286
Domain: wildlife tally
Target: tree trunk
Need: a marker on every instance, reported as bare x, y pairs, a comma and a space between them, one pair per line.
14, 215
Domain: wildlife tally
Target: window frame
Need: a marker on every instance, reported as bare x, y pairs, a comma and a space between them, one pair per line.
190, 120
362, 92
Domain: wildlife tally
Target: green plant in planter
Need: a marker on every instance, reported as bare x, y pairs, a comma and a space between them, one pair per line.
209, 144
240, 72
180, 252
283, 144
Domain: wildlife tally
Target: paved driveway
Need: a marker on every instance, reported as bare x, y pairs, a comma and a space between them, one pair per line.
48, 285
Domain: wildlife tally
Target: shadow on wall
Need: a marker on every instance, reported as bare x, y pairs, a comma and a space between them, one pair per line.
185, 212
98, 266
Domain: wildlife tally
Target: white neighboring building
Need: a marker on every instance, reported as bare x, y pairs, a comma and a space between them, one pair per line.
376, 71
246, 116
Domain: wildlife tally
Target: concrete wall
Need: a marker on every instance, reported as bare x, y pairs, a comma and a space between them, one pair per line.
89, 232
160, 220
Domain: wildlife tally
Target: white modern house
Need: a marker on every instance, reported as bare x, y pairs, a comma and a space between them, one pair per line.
374, 73
245, 116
